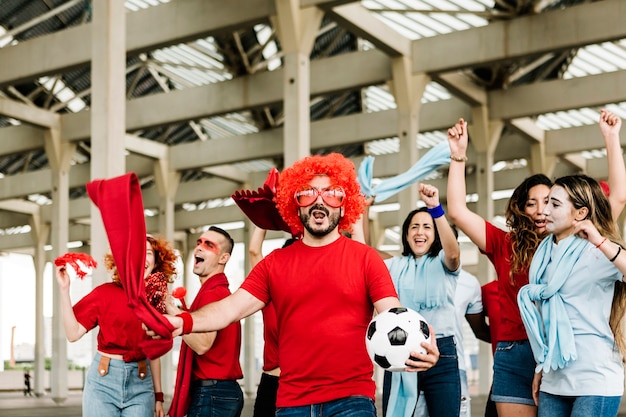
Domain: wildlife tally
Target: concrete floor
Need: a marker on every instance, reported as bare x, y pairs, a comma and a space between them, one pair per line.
14, 404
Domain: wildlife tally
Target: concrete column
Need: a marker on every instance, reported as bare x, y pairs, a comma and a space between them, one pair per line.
251, 376
60, 155
167, 182
407, 90
296, 30
40, 232
485, 137
108, 109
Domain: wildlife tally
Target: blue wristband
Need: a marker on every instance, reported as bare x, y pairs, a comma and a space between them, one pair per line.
436, 212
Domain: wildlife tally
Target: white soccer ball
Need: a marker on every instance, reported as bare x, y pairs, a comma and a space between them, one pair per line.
393, 334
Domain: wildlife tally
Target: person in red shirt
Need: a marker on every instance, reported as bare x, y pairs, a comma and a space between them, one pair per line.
324, 288
208, 367
120, 381
511, 253
265, 401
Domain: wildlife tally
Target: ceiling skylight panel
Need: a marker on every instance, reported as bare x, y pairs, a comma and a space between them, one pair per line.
436, 92
574, 72
616, 53
410, 26
548, 122
472, 20
584, 61
597, 56
427, 21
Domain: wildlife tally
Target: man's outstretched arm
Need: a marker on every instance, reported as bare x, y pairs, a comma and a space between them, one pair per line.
214, 316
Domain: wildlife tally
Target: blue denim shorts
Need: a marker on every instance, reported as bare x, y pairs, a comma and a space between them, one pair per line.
118, 393
513, 371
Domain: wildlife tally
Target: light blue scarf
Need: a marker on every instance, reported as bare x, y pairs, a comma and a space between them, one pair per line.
419, 281
549, 329
420, 286
436, 157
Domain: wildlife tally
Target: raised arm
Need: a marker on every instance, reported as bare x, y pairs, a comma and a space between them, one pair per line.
255, 246
469, 222
452, 252
73, 329
610, 125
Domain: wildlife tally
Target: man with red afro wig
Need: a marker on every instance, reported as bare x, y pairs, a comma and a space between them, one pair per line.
324, 288
342, 174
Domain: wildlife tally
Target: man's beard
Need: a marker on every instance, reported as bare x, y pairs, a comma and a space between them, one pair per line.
333, 221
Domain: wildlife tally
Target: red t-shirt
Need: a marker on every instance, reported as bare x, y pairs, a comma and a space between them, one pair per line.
498, 250
491, 307
120, 330
222, 360
323, 298
270, 338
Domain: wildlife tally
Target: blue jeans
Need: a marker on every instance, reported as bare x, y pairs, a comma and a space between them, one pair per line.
441, 384
558, 405
466, 410
119, 393
224, 399
513, 372
354, 406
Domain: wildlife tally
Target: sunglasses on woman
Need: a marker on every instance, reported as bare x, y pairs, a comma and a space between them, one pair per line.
332, 196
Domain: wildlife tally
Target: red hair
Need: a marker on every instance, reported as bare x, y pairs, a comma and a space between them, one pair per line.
341, 172
164, 260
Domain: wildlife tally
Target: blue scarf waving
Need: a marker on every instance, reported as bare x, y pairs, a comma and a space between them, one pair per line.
550, 331
436, 157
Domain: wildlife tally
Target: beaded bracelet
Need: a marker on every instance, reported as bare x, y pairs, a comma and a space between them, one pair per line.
458, 158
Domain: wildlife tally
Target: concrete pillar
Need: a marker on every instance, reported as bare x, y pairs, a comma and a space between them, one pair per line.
108, 109
485, 137
408, 90
167, 182
40, 232
60, 155
296, 30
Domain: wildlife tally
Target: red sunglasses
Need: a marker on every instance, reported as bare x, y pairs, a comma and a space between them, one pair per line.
332, 196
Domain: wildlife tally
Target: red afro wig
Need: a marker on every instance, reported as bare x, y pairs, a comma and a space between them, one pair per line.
341, 172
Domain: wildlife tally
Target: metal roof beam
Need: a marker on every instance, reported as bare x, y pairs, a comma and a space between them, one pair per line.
557, 95
579, 25
331, 75
360, 21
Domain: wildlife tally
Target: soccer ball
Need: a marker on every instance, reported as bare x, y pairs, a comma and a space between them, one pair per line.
393, 334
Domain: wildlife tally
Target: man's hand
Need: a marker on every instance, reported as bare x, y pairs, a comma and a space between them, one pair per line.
424, 361
175, 321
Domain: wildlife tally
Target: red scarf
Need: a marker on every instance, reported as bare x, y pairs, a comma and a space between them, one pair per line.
181, 399
121, 207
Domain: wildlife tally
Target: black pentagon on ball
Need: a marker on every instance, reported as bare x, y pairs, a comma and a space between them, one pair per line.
424, 329
371, 329
398, 310
382, 361
397, 336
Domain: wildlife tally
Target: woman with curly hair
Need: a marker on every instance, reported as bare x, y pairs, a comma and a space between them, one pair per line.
511, 253
121, 381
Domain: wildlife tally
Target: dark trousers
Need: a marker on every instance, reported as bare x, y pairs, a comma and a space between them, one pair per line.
265, 403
